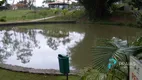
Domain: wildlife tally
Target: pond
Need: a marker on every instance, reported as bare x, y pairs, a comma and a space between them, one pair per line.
38, 46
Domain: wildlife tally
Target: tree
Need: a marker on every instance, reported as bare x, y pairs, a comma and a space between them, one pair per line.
136, 3
47, 1
8, 6
26, 3
30, 3
97, 8
2, 2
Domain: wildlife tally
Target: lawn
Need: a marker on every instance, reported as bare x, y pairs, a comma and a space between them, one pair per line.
9, 75
25, 15
69, 15
20, 15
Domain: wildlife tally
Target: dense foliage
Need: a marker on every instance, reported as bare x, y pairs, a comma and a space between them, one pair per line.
97, 8
101, 8
136, 3
2, 2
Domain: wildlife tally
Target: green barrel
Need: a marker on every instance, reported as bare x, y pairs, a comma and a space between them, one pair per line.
63, 64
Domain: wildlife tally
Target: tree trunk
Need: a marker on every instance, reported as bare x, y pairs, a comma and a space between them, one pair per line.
95, 8
100, 8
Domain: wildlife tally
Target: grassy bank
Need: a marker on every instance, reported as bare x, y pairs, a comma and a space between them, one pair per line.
69, 15
120, 18
9, 75
21, 15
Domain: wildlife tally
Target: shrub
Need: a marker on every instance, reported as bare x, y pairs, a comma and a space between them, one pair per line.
64, 11
118, 49
56, 11
115, 7
3, 19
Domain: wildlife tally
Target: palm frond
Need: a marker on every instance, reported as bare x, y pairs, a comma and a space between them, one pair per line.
102, 52
118, 49
105, 49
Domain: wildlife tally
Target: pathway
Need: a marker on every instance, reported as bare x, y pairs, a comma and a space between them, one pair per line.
43, 18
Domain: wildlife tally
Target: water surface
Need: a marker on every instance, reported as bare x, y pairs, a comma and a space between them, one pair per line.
38, 46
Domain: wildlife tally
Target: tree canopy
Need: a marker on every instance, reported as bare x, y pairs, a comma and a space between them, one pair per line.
97, 8
136, 3
2, 2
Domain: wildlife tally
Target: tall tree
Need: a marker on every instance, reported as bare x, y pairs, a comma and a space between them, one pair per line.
2, 2
97, 8
30, 3
136, 3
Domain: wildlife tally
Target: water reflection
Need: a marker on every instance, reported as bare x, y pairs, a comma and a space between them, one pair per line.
82, 54
19, 43
36, 48
39, 46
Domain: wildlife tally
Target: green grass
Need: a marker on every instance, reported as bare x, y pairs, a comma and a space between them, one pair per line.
13, 14
20, 15
9, 75
69, 15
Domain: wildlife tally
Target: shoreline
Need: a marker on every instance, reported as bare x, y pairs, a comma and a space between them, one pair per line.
35, 71
6, 24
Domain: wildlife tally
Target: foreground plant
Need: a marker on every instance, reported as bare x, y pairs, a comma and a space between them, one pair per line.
117, 49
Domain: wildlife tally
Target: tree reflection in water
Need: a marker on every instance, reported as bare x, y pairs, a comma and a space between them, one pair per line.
19, 42
22, 42
55, 37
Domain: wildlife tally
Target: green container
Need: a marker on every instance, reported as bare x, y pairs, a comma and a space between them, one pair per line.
63, 64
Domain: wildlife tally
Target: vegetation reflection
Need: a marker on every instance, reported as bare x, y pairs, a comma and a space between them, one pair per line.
22, 42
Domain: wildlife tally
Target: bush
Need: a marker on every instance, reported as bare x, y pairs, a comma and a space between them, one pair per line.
43, 13
56, 11
3, 19
115, 7
112, 49
64, 11
89, 73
